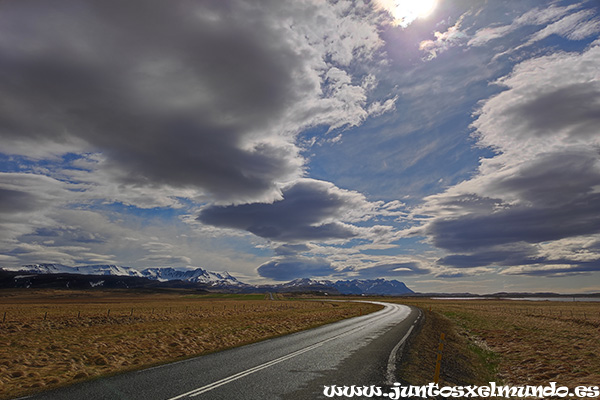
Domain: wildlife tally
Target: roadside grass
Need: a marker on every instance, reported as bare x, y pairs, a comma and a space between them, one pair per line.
51, 338
511, 342
463, 362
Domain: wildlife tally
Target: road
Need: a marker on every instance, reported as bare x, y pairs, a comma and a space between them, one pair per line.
356, 351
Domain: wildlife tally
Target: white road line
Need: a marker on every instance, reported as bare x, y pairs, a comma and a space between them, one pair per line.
391, 366
247, 372
252, 370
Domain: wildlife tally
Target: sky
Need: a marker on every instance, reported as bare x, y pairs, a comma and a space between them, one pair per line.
453, 145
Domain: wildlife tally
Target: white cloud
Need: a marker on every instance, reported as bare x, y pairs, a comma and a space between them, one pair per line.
443, 40
533, 17
577, 26
550, 104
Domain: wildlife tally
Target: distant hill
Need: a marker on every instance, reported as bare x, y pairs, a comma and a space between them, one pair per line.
198, 275
15, 280
116, 276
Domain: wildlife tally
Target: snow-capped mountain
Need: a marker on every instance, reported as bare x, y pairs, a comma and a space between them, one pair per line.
42, 269
305, 282
198, 275
372, 286
356, 286
222, 280
107, 270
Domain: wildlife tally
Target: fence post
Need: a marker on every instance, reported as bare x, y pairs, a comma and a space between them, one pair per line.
438, 362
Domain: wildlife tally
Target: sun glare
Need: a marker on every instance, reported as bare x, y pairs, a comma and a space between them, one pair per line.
406, 11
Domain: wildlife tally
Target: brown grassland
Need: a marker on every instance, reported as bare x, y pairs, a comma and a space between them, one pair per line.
51, 338
506, 341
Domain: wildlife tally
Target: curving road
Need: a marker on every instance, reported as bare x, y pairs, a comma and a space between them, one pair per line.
356, 351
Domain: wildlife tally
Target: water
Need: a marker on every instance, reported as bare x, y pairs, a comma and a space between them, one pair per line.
564, 299
571, 299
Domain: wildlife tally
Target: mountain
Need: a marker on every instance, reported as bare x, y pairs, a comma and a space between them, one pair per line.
372, 286
301, 282
303, 285
198, 275
357, 286
84, 270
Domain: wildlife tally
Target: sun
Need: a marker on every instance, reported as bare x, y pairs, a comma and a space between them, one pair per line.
406, 11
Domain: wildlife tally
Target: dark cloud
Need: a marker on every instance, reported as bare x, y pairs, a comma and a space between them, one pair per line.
290, 249
64, 235
453, 274
305, 213
564, 268
520, 254
558, 199
554, 179
167, 96
14, 201
186, 94
517, 224
288, 269
575, 108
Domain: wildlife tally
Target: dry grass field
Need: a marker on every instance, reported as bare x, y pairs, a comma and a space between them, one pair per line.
520, 342
51, 338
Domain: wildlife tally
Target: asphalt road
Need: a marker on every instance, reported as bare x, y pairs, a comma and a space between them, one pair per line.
356, 351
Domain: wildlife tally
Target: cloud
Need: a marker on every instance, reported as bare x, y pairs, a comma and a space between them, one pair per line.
310, 210
26, 198
293, 268
290, 249
14, 201
289, 268
542, 189
533, 17
499, 255
391, 270
531, 114
555, 271
203, 96
576, 26
443, 40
